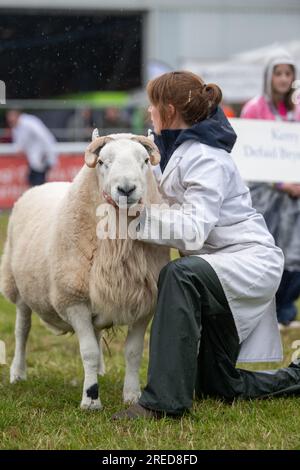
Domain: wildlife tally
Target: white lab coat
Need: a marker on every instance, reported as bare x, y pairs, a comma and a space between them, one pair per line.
217, 215
34, 139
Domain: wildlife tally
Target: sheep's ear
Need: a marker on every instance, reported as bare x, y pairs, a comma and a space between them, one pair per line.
150, 147
94, 148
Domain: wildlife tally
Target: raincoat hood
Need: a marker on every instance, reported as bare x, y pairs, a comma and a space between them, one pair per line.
215, 131
281, 57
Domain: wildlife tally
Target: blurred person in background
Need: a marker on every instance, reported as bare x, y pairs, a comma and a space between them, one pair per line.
280, 202
80, 125
33, 138
114, 121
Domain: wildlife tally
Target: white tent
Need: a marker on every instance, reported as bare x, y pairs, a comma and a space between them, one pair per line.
260, 55
241, 77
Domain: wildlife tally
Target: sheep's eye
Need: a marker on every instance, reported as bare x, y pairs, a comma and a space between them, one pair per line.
147, 161
100, 162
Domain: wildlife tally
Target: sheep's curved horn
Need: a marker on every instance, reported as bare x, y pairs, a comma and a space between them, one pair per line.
93, 149
95, 134
150, 147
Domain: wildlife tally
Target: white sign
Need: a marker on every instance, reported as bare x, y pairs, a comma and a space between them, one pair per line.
267, 150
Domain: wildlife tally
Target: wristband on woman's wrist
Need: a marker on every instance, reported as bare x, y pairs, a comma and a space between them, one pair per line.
278, 186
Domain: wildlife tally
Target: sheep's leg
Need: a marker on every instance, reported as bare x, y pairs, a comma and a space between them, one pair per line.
133, 355
80, 318
22, 328
101, 370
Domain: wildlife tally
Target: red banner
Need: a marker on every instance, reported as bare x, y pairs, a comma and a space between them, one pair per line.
14, 169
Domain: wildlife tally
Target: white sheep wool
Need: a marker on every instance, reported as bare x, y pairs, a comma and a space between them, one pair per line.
54, 264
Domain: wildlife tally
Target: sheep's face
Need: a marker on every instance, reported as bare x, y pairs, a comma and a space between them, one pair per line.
122, 167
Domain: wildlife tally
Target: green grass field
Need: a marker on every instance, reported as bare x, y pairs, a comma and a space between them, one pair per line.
43, 412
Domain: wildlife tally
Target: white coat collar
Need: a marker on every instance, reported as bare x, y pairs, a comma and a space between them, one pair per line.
174, 160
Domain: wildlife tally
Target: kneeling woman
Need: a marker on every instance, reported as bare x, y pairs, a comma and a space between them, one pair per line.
215, 304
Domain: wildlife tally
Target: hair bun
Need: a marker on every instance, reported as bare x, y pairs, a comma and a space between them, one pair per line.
214, 92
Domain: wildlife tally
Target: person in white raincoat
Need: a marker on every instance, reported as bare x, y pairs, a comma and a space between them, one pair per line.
32, 137
216, 303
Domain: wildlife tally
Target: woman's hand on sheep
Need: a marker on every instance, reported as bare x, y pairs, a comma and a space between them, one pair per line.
292, 190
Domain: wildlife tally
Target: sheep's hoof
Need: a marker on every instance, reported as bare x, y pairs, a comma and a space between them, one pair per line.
17, 376
131, 396
90, 404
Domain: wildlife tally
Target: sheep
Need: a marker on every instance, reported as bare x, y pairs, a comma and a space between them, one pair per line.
55, 264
